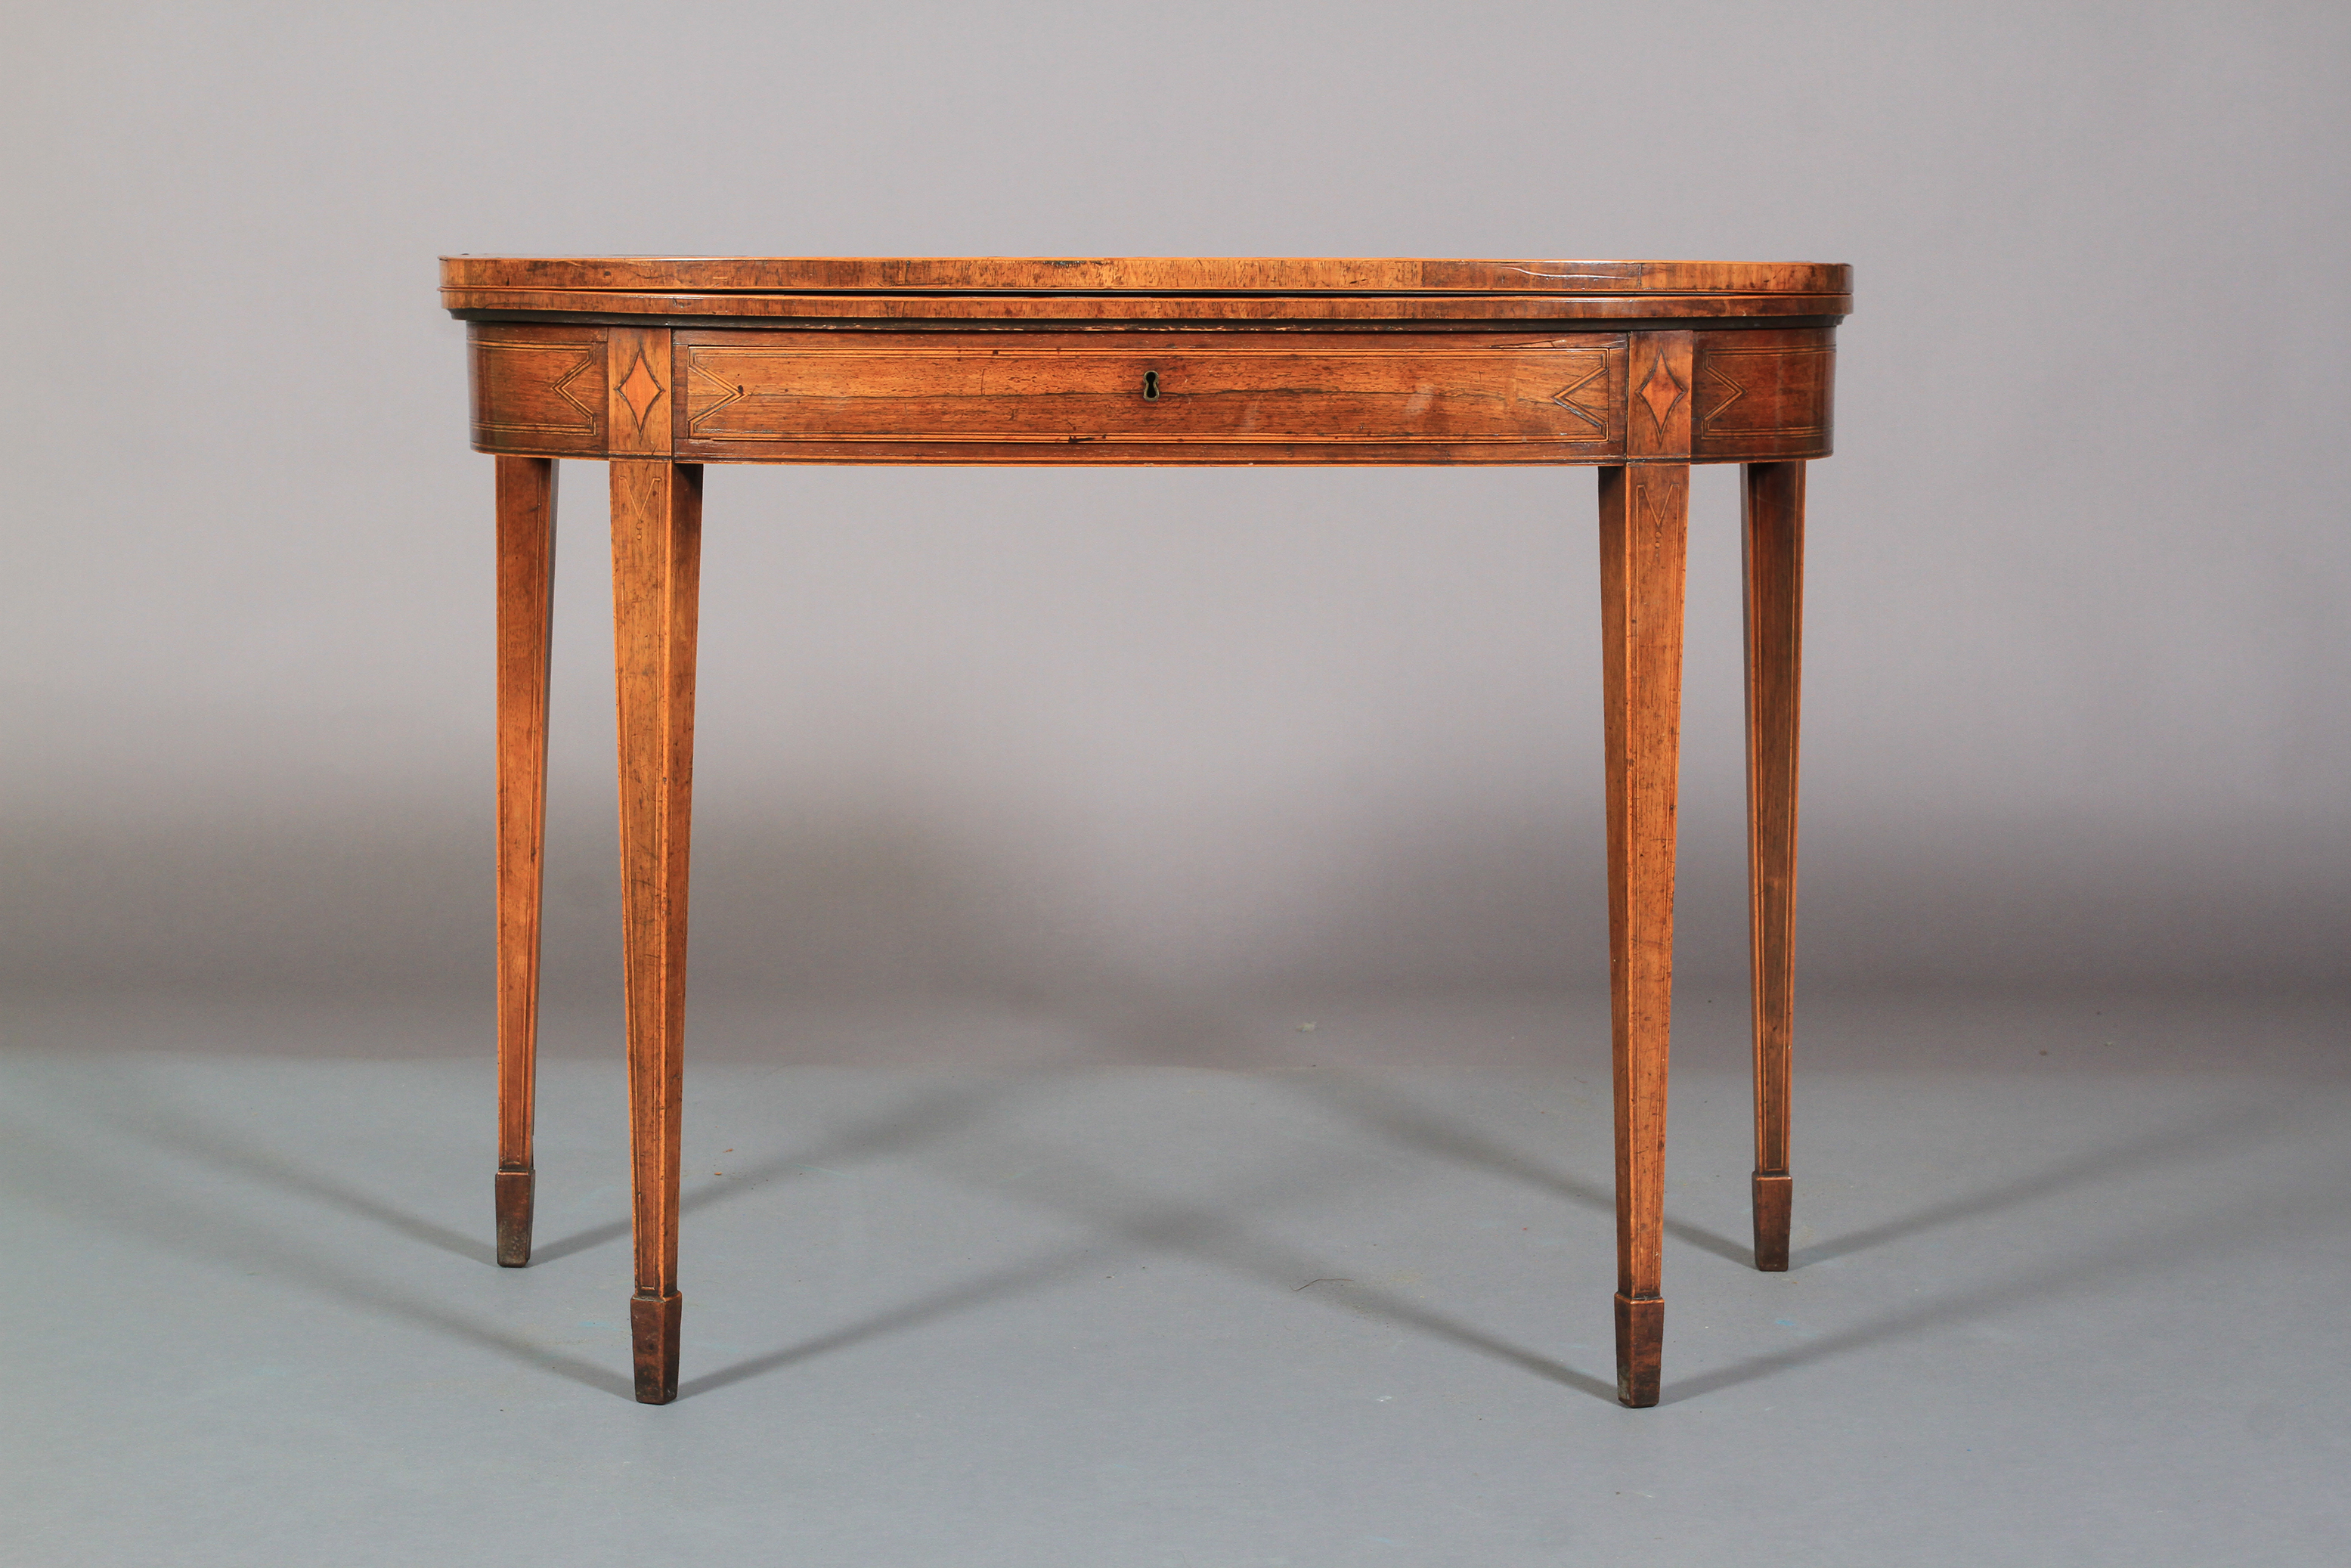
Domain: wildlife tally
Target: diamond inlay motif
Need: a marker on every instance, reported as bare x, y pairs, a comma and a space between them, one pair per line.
640, 389
1661, 391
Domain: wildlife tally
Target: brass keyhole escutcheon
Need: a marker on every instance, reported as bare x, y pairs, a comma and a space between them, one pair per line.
1151, 386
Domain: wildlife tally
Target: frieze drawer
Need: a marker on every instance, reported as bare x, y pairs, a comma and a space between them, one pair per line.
848, 397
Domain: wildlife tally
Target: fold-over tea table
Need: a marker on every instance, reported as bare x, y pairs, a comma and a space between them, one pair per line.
659, 365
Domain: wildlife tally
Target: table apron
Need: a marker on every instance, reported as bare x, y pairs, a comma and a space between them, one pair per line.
756, 395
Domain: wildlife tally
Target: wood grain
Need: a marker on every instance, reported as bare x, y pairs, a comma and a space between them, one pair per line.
1144, 274
526, 579
1773, 542
1147, 310
1643, 542
536, 388
1765, 394
657, 567
1292, 397
1061, 395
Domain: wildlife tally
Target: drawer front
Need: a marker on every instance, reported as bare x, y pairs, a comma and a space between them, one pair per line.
1196, 397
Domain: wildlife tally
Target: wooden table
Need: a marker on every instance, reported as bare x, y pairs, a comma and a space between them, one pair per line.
660, 365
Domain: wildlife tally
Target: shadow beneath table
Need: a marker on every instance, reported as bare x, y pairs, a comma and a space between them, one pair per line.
1109, 1207
1413, 1125
2242, 1223
174, 1132
924, 1118
2213, 1132
1208, 1232
1113, 1210
102, 1194
1118, 1030
995, 1285
2155, 1247
98, 1193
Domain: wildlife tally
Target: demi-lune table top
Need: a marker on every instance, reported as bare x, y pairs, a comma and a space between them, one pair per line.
1186, 288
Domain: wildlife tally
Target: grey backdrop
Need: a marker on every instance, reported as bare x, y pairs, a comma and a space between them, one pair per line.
1005, 776
2075, 660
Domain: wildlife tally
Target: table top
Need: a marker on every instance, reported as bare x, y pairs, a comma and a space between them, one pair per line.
1198, 288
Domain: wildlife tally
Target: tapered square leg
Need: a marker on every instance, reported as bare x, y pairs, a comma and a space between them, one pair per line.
1773, 542
525, 487
657, 567
1643, 538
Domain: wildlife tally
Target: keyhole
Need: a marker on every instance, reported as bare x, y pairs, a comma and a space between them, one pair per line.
1151, 386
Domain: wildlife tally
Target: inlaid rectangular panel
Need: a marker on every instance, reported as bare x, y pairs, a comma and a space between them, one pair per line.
1764, 395
1128, 397
538, 388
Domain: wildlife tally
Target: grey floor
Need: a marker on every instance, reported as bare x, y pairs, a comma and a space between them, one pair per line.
1174, 1285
